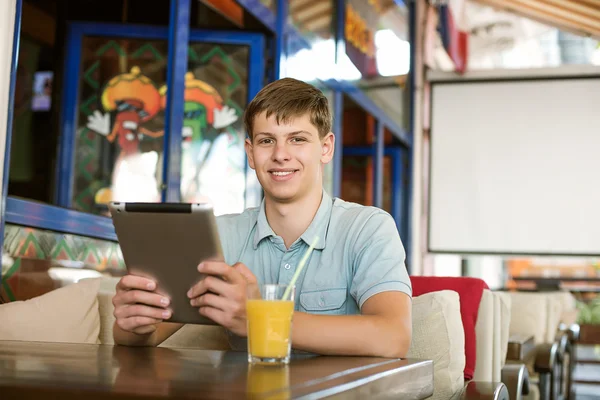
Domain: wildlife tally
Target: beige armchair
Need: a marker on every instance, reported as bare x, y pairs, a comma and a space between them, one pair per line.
438, 335
492, 330
546, 316
493, 320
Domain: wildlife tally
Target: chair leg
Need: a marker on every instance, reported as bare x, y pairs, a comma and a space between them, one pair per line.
544, 385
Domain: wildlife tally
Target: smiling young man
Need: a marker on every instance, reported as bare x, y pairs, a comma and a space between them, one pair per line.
353, 296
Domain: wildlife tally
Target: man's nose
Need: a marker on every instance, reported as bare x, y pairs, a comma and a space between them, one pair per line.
280, 152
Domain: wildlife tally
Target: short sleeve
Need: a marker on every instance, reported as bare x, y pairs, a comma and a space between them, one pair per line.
379, 261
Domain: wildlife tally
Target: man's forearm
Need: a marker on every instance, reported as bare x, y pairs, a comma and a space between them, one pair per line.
358, 335
163, 331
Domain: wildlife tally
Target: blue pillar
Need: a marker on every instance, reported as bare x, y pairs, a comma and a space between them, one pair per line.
9, 121
179, 33
338, 99
280, 36
378, 164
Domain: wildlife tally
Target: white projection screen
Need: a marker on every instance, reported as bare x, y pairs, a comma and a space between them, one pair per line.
515, 166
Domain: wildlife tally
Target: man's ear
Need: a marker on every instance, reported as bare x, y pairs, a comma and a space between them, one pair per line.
248, 148
327, 148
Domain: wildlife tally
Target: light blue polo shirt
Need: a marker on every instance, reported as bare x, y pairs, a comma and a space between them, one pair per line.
359, 254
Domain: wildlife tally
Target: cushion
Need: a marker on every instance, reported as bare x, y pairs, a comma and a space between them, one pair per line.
68, 314
492, 326
503, 301
540, 313
106, 308
438, 335
529, 315
569, 311
469, 291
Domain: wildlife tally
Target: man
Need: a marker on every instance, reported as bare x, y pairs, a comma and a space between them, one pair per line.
354, 294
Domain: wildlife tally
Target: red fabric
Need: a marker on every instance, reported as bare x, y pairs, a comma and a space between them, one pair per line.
469, 291
458, 44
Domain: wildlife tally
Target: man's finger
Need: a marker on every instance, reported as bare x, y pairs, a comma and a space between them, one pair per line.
214, 314
144, 330
139, 310
245, 272
133, 323
128, 297
129, 282
210, 284
221, 269
210, 300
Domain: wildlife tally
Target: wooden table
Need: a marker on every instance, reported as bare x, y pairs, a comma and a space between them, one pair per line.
45, 371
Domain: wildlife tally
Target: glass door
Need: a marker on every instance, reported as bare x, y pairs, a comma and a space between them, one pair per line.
113, 136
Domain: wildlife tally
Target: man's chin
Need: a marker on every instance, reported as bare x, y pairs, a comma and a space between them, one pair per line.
282, 196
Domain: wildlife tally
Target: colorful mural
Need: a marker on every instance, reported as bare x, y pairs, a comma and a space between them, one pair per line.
120, 122
215, 168
205, 114
119, 148
132, 99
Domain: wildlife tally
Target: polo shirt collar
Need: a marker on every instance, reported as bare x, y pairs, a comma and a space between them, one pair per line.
318, 226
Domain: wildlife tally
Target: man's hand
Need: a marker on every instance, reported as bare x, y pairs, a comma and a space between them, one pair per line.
138, 308
221, 295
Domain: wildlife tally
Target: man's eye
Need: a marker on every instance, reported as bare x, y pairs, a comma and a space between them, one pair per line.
266, 141
298, 139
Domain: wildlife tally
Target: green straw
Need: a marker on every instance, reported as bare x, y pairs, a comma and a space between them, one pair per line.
299, 269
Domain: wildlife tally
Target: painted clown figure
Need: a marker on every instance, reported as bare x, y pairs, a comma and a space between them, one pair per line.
205, 114
129, 100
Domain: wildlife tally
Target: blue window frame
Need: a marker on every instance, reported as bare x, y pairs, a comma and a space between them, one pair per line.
398, 156
60, 217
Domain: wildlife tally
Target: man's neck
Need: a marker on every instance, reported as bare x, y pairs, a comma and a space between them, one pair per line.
291, 220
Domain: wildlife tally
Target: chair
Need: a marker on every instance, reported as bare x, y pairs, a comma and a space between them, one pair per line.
547, 317
486, 316
438, 335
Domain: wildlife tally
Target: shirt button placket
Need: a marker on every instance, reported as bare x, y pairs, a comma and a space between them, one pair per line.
287, 269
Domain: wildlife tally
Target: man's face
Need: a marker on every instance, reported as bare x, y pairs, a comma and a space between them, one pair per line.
288, 158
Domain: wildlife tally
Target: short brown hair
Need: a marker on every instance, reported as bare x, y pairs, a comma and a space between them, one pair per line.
288, 98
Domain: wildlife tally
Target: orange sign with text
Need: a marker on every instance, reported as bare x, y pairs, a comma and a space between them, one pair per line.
358, 33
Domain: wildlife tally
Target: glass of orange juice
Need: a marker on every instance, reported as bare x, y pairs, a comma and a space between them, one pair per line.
269, 318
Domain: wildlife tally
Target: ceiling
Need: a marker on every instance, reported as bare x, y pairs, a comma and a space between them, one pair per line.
316, 16
581, 17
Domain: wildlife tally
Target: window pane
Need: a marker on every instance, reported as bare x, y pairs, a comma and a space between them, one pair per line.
314, 20
213, 157
357, 182
119, 144
32, 155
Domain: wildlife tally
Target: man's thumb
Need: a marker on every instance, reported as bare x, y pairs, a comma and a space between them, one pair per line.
245, 271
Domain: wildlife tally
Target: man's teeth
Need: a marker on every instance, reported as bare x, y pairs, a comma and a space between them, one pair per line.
277, 173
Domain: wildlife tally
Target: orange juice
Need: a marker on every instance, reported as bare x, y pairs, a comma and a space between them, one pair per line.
269, 327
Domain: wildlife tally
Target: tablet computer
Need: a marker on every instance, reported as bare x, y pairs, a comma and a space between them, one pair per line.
165, 242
